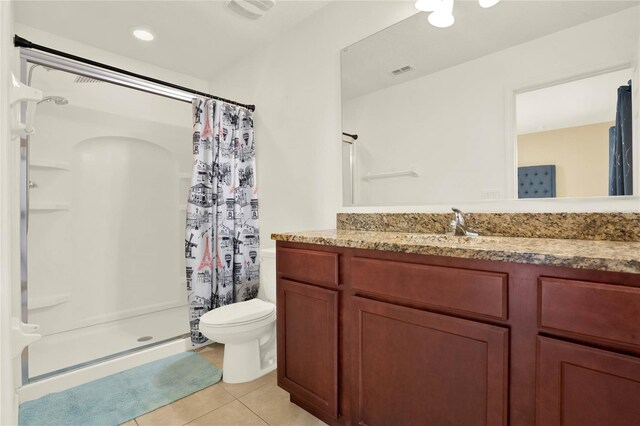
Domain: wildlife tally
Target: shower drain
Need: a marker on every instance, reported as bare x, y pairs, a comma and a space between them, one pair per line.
144, 338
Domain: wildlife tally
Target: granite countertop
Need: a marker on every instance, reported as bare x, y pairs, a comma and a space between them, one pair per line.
598, 255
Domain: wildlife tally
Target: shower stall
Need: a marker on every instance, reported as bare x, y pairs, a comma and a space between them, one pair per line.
105, 182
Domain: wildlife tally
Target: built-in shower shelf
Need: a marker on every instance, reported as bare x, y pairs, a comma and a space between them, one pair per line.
386, 175
49, 206
48, 301
49, 165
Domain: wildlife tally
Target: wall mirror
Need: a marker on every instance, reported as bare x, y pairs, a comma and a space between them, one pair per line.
527, 99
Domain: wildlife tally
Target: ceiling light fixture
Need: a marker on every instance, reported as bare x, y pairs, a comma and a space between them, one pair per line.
442, 10
488, 3
442, 17
252, 9
142, 34
427, 5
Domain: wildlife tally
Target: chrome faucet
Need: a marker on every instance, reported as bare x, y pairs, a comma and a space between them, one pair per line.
459, 226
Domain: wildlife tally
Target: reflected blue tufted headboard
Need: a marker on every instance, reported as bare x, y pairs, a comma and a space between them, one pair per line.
537, 181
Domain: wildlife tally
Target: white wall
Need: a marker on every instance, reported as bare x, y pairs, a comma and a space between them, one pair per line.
9, 220
295, 84
572, 104
450, 125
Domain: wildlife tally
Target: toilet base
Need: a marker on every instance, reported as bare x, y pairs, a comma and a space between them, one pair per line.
244, 362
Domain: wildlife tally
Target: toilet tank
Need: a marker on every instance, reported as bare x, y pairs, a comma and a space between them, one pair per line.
268, 274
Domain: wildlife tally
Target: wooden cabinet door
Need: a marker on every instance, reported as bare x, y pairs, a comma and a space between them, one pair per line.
308, 343
420, 368
583, 386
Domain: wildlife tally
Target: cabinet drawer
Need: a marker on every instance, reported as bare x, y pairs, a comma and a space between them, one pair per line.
477, 292
598, 310
310, 266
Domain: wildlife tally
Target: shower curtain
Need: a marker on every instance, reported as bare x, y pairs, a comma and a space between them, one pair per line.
620, 146
221, 240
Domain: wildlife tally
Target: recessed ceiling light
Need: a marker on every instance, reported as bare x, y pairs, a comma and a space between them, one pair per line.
142, 34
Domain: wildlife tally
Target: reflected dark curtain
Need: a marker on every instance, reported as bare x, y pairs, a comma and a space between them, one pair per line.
620, 146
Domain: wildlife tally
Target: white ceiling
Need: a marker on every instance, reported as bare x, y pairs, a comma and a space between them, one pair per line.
576, 103
197, 38
477, 32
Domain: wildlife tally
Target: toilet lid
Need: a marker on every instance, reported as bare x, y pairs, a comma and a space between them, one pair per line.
237, 313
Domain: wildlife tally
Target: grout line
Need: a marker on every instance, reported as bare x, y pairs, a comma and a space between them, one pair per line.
258, 415
263, 419
209, 412
180, 399
250, 392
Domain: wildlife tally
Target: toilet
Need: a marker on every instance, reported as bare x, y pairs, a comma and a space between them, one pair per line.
247, 329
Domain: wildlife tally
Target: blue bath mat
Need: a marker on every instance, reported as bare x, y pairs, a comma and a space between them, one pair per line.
123, 396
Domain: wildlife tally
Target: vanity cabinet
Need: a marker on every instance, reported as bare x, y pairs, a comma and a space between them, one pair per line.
369, 337
419, 368
307, 329
578, 384
583, 386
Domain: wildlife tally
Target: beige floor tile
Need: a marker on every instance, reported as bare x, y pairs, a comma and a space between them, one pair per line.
241, 389
320, 423
130, 423
232, 414
212, 347
272, 404
187, 409
214, 353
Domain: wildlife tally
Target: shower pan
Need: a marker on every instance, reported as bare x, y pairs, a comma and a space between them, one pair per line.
105, 180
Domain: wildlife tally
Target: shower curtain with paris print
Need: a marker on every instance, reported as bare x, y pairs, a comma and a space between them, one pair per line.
221, 240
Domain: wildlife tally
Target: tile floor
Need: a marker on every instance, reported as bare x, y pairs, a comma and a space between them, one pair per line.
260, 402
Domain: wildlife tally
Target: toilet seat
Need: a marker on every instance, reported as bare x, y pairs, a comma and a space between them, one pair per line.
237, 314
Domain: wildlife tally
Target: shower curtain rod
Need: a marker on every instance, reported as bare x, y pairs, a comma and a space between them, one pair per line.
22, 42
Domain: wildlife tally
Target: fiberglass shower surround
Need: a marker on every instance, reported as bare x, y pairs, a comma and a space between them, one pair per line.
100, 274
